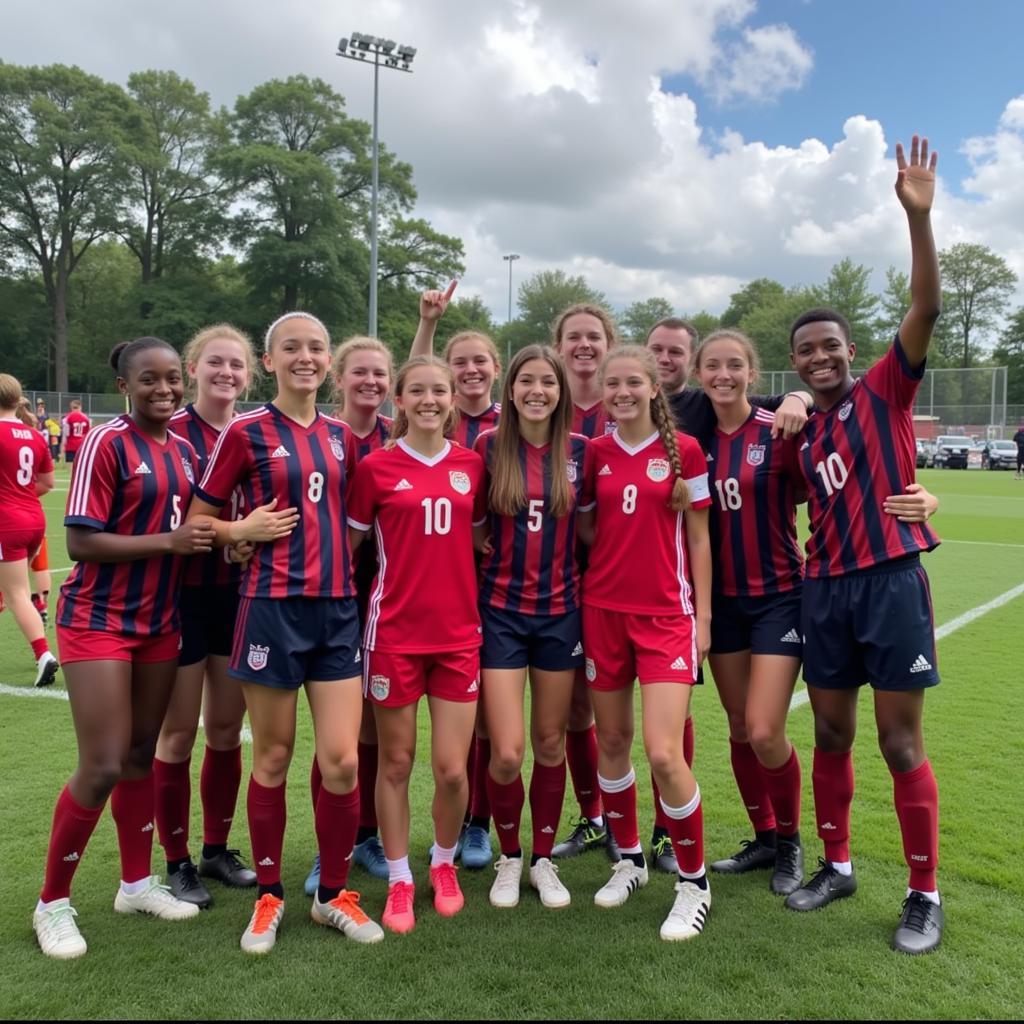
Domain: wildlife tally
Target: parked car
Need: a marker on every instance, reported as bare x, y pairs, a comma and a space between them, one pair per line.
951, 451
999, 455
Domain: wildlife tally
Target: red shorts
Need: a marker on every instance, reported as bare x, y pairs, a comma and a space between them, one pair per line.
41, 563
395, 680
621, 647
18, 544
97, 645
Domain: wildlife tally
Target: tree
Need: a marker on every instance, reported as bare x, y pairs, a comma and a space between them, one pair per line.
417, 255
848, 291
60, 179
637, 319
979, 284
1009, 352
893, 304
544, 295
767, 324
762, 291
704, 322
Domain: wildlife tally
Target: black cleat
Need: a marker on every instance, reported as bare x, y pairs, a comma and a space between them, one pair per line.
584, 836
663, 856
920, 929
611, 847
227, 868
752, 857
827, 885
185, 885
788, 875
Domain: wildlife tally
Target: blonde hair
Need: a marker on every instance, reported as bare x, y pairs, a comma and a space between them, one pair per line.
590, 309
400, 424
492, 349
296, 314
25, 414
731, 334
507, 492
10, 392
357, 343
661, 415
194, 349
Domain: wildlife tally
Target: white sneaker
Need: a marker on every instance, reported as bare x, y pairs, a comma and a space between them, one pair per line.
626, 879
345, 914
689, 913
46, 669
505, 890
260, 934
155, 899
57, 932
544, 878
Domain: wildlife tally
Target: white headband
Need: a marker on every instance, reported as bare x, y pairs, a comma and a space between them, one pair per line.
291, 316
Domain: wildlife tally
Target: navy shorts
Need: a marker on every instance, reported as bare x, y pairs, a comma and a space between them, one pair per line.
284, 642
207, 622
768, 624
552, 643
872, 626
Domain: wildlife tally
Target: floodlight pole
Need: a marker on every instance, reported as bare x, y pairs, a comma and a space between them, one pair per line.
510, 258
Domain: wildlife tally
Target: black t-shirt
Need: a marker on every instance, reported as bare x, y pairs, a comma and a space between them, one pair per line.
1019, 439
695, 414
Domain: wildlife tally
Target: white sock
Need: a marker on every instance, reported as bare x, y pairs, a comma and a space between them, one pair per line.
442, 854
40, 906
932, 897
399, 871
844, 867
598, 821
134, 888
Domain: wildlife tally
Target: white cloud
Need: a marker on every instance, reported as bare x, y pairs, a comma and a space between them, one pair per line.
761, 65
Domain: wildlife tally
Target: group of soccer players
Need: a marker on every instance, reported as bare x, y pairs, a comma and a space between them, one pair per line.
603, 523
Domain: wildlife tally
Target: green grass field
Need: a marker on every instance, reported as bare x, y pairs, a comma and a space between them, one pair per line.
755, 960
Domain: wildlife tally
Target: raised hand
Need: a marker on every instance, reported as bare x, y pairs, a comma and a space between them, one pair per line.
434, 303
915, 180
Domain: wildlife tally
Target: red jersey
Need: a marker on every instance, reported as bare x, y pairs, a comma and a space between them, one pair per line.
375, 439
424, 598
638, 561
76, 425
216, 568
532, 568
23, 456
593, 421
853, 457
128, 483
754, 482
309, 468
471, 427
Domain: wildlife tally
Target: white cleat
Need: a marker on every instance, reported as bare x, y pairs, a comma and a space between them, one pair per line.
544, 878
626, 879
505, 889
57, 932
155, 899
46, 669
689, 913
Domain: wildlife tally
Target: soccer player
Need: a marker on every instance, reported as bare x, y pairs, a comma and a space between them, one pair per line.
220, 364
75, 426
1018, 440
421, 496
362, 372
39, 566
26, 473
297, 625
530, 608
866, 614
52, 428
646, 615
119, 635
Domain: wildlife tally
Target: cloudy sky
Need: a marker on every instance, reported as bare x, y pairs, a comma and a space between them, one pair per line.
660, 147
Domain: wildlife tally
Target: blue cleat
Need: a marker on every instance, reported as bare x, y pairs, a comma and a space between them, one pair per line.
476, 848
313, 878
370, 856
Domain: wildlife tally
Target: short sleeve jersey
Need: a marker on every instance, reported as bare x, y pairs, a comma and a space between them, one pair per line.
127, 483
753, 481
532, 568
23, 456
593, 421
271, 456
422, 510
854, 456
76, 426
471, 427
695, 415
216, 568
375, 439
639, 561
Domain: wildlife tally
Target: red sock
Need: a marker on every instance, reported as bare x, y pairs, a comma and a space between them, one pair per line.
916, 795
172, 799
620, 805
480, 805
832, 777
131, 804
687, 834
267, 815
337, 819
39, 647
219, 782
507, 799
749, 782
316, 780
73, 824
783, 786
547, 793
368, 785
581, 756
688, 741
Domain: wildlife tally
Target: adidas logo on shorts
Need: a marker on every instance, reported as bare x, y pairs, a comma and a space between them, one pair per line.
792, 637
359, 657
142, 469
679, 665
711, 457
577, 650
605, 470
280, 452
403, 485
473, 687
922, 664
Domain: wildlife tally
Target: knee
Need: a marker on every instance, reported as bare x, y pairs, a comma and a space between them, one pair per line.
139, 759
549, 745
272, 761
737, 726
98, 773
900, 749
339, 769
614, 743
765, 739
831, 737
665, 759
450, 774
506, 760
177, 744
395, 766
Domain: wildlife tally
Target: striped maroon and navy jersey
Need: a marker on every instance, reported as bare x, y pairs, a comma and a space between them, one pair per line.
532, 568
471, 427
23, 456
216, 568
753, 481
308, 468
125, 482
853, 457
591, 422
375, 439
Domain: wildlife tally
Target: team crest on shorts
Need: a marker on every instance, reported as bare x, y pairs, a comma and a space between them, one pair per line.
570, 471
337, 448
459, 480
258, 657
380, 687
845, 409
590, 668
187, 467
658, 469
755, 454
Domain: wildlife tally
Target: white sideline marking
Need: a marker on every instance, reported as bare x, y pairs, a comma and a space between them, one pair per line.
31, 691
984, 543
802, 696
